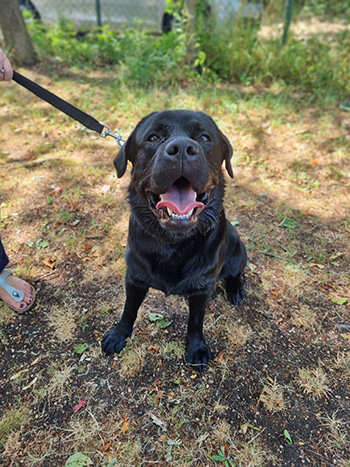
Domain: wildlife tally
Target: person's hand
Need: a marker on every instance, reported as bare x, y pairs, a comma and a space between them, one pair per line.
6, 71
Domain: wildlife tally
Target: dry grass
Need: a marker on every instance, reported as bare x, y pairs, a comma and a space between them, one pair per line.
292, 161
338, 429
342, 364
304, 317
84, 432
13, 445
63, 323
238, 334
272, 397
313, 382
131, 361
59, 381
7, 315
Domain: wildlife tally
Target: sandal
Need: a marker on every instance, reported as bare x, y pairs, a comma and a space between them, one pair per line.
16, 294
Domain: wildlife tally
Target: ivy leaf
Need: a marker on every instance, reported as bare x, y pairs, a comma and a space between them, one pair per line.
159, 320
78, 460
80, 348
162, 324
153, 317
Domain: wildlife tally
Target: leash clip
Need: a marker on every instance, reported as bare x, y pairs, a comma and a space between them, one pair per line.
118, 138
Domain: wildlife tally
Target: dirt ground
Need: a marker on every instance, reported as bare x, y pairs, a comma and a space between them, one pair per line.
277, 392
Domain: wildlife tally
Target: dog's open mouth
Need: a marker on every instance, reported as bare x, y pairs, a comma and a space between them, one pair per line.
179, 202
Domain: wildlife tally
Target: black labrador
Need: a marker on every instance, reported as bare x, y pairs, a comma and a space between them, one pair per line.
179, 239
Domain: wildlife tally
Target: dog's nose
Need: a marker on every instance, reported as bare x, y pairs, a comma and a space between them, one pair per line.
182, 146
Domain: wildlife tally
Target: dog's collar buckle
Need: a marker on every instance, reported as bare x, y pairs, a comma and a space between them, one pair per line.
119, 139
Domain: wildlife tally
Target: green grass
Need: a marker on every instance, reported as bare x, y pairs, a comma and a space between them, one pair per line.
235, 53
146, 405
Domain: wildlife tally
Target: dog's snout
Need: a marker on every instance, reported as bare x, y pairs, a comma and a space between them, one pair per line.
182, 147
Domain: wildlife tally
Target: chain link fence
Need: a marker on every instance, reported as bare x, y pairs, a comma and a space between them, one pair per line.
100, 12
116, 13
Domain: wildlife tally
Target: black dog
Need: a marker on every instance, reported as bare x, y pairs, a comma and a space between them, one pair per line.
179, 239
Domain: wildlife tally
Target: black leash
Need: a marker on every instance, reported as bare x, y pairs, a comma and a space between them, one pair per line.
85, 119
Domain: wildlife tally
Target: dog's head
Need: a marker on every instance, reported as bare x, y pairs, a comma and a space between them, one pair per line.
177, 157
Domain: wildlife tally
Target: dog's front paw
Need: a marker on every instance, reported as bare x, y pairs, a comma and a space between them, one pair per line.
198, 355
113, 341
236, 296
235, 289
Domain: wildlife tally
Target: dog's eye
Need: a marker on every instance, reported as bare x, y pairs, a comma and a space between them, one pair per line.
153, 138
205, 138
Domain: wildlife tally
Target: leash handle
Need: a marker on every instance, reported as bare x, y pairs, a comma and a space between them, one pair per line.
85, 119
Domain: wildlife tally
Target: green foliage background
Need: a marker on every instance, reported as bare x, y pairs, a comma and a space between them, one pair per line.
232, 53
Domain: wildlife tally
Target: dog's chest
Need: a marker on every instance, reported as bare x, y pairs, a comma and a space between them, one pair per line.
173, 270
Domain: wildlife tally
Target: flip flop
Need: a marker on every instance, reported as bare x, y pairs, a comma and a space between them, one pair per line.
16, 294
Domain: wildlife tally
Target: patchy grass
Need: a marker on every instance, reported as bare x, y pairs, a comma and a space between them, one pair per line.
64, 219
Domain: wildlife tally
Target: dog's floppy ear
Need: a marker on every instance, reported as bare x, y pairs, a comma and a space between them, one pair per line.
124, 154
227, 152
128, 150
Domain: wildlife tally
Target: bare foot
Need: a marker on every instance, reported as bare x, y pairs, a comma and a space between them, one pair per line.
21, 285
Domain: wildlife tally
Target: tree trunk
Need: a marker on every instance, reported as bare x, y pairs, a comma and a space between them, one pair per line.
14, 38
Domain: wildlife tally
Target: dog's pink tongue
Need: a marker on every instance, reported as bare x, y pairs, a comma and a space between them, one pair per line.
180, 199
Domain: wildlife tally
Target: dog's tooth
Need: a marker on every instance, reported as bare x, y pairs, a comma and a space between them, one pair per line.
170, 212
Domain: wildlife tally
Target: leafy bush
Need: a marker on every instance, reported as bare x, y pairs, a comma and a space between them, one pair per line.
141, 57
336, 8
235, 53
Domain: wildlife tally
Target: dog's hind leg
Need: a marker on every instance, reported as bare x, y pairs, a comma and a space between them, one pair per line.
198, 353
114, 340
235, 288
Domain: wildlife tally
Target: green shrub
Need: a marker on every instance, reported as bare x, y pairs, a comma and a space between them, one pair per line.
238, 54
140, 57
234, 53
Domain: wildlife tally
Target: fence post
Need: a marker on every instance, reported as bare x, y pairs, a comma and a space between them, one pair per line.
98, 13
287, 21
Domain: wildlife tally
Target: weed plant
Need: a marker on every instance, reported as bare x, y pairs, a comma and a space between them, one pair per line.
233, 52
236, 53
140, 58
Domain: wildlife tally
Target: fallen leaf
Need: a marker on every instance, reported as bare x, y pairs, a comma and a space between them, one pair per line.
30, 384
336, 299
126, 424
153, 348
17, 375
87, 247
244, 428
79, 406
336, 256
315, 265
220, 357
80, 348
34, 362
50, 263
106, 447
157, 421
289, 223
